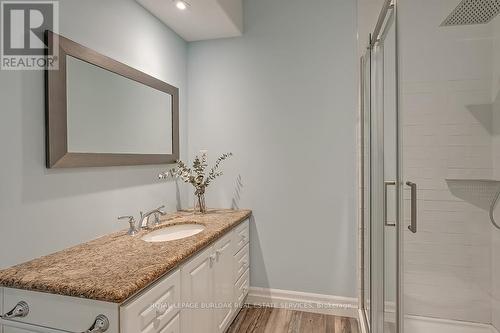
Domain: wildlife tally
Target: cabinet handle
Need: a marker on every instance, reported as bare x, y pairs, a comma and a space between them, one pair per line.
100, 325
19, 311
161, 311
212, 259
217, 254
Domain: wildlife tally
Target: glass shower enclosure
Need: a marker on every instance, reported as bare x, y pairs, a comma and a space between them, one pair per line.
380, 168
430, 168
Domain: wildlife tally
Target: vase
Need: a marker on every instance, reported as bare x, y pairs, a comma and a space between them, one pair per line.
199, 203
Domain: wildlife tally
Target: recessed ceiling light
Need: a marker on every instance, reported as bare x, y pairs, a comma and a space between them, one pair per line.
181, 5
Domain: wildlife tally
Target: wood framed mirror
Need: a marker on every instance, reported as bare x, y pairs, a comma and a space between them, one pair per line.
100, 112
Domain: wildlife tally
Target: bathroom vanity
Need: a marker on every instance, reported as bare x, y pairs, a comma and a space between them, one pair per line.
122, 283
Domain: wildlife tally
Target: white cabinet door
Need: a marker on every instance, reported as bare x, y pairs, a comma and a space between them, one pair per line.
223, 283
154, 309
174, 326
197, 281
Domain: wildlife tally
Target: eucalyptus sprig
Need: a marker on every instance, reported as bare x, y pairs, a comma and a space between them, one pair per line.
214, 172
197, 175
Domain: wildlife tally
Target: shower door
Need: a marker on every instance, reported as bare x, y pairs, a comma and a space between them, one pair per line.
384, 176
385, 55
433, 119
380, 178
450, 107
365, 178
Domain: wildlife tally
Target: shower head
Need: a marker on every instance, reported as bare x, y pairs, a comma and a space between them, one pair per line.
473, 12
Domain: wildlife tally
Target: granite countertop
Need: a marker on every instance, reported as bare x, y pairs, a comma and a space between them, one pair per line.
117, 266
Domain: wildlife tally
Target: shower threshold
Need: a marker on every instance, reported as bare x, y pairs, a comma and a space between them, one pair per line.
416, 324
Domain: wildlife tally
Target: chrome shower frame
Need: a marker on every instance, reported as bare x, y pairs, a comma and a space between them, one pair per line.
375, 323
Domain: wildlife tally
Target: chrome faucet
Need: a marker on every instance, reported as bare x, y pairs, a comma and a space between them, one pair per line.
156, 213
144, 221
133, 230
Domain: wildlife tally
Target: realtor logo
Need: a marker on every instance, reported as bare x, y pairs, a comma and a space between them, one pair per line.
23, 41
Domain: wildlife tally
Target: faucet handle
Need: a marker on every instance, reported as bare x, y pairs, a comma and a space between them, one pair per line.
157, 218
161, 211
131, 220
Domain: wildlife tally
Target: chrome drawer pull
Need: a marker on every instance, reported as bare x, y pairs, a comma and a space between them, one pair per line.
101, 324
19, 311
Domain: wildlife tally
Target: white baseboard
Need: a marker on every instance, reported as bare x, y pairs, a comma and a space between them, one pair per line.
308, 302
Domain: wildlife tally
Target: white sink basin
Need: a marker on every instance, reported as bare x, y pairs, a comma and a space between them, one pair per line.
174, 232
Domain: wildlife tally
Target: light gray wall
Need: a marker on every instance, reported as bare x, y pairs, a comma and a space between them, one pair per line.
368, 12
283, 99
47, 210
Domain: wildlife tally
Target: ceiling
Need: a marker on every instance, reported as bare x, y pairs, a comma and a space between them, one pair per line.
203, 19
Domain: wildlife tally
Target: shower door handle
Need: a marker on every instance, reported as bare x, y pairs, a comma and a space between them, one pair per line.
413, 219
386, 184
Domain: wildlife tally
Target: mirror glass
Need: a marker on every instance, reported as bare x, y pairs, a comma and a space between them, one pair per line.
109, 113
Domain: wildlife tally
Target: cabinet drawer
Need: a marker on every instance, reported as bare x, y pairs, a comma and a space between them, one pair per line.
241, 287
242, 262
174, 326
15, 327
60, 312
241, 236
153, 310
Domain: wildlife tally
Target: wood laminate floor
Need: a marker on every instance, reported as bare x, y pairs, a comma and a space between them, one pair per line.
269, 320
